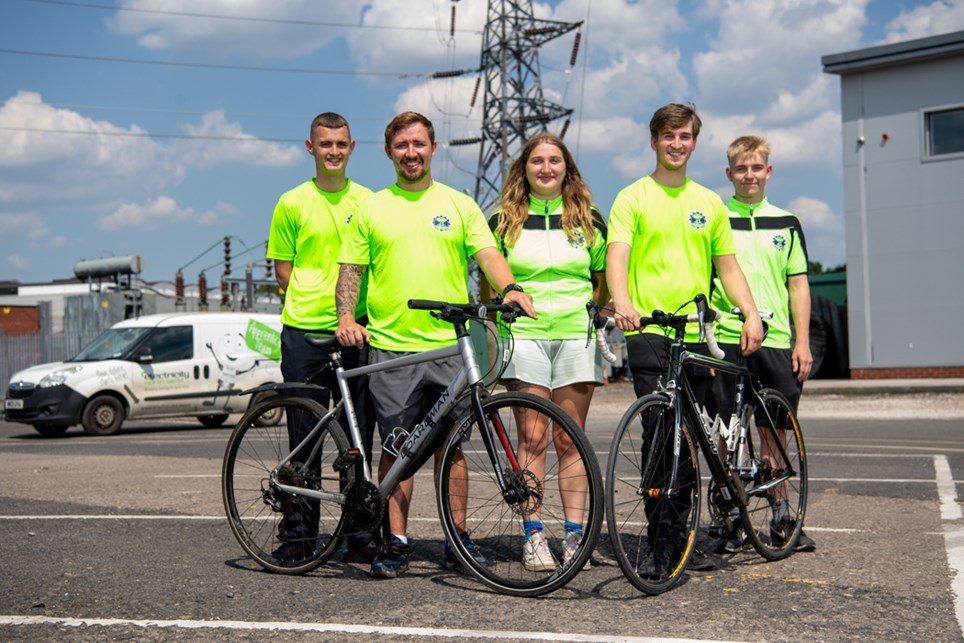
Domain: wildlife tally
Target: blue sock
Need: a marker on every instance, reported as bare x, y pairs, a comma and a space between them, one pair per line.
531, 527
572, 527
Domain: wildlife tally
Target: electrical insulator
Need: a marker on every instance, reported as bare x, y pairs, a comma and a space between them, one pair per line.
475, 92
267, 269
225, 294
227, 255
452, 28
202, 290
565, 128
179, 284
575, 49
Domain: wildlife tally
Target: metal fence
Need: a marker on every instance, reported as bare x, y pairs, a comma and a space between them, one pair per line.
18, 352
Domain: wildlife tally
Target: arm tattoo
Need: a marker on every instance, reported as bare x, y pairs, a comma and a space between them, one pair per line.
348, 288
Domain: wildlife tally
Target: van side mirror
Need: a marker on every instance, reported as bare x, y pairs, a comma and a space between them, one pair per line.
144, 356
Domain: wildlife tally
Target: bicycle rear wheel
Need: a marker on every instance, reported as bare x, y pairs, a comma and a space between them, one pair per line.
282, 532
567, 486
777, 489
652, 527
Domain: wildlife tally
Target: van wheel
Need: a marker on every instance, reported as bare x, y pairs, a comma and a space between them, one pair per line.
270, 418
50, 430
213, 421
103, 415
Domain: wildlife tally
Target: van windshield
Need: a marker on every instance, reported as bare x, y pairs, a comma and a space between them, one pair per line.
111, 344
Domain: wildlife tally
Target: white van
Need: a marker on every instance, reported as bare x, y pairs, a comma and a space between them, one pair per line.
156, 366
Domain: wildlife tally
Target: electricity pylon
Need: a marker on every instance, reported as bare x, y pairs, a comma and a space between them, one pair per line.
514, 107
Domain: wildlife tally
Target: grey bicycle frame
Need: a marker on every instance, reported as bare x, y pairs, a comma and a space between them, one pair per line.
469, 375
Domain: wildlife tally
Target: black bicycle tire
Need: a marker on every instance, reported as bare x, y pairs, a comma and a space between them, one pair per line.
252, 452
755, 515
496, 526
627, 521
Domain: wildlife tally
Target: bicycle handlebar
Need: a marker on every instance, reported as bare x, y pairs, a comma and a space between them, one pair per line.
453, 312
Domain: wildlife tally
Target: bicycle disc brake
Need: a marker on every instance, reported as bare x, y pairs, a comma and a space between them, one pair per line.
523, 492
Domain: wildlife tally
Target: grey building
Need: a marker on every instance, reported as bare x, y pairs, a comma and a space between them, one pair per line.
903, 162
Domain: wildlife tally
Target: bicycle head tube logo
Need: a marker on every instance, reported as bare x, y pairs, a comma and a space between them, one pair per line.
697, 220
779, 242
441, 223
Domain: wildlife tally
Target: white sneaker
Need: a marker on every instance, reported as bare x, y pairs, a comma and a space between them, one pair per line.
536, 556
570, 545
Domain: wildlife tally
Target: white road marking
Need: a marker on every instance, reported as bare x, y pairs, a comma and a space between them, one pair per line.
336, 628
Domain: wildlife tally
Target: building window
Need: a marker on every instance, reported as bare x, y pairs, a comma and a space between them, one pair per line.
945, 131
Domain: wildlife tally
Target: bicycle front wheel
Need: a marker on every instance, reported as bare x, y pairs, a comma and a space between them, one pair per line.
776, 485
283, 532
652, 521
551, 476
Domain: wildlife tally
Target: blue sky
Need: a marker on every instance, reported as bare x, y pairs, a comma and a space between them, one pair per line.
100, 157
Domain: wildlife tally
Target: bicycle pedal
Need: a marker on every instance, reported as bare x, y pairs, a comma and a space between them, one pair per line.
347, 459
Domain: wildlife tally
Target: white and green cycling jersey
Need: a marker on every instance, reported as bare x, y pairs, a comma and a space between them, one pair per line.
770, 248
555, 269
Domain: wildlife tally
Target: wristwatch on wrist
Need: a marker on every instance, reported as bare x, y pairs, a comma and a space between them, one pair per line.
512, 286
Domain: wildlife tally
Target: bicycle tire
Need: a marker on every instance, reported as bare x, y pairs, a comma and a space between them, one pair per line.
276, 529
651, 550
774, 540
493, 522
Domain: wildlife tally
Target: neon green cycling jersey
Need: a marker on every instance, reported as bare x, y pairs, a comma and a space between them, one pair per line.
307, 229
555, 269
770, 248
673, 234
416, 246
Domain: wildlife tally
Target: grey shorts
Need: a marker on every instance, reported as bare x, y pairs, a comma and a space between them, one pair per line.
403, 396
554, 363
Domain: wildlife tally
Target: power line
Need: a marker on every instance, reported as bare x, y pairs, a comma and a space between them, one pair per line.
166, 63
202, 137
283, 21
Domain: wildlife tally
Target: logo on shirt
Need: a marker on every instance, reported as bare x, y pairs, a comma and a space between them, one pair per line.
697, 220
348, 220
779, 242
576, 239
441, 223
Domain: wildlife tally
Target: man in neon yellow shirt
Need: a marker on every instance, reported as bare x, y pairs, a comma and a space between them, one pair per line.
307, 227
412, 240
666, 235
772, 251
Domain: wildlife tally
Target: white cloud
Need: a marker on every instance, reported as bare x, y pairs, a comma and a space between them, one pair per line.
269, 29
17, 262
765, 49
208, 151
160, 212
936, 18
814, 214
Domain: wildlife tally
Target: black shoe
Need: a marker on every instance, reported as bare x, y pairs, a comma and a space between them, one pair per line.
781, 531
702, 562
656, 563
452, 562
391, 564
294, 551
360, 549
805, 542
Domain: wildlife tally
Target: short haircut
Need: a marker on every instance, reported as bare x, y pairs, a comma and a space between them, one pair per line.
331, 120
674, 116
402, 121
748, 146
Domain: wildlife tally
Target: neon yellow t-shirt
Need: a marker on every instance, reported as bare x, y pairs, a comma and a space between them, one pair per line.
307, 229
673, 235
416, 246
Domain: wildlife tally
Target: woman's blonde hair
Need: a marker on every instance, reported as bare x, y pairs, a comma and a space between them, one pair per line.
514, 201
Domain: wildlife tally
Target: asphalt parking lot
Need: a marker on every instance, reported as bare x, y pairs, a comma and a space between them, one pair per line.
124, 537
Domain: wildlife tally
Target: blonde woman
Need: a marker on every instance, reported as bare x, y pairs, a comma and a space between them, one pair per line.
555, 243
